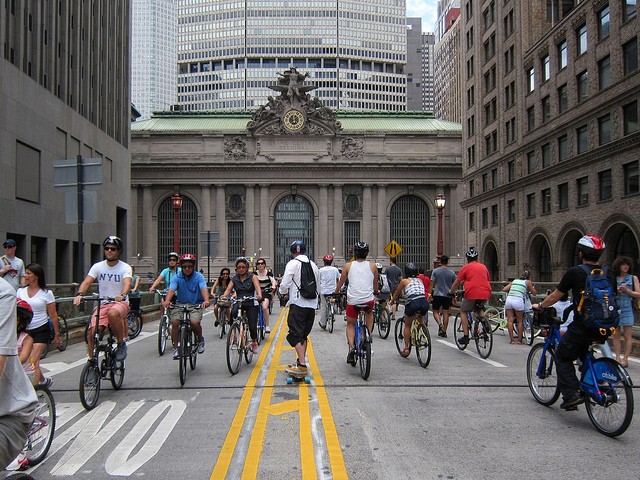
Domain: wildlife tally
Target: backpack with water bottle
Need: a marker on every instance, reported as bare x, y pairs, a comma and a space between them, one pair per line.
598, 305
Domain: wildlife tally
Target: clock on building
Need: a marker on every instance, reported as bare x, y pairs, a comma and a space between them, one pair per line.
293, 120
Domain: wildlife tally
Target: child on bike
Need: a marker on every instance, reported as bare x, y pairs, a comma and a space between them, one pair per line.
412, 288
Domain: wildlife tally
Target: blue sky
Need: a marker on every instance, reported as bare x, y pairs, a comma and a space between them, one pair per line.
427, 9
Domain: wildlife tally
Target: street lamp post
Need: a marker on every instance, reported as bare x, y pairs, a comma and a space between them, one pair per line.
176, 203
440, 203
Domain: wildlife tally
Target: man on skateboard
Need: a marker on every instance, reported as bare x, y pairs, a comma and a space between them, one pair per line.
301, 310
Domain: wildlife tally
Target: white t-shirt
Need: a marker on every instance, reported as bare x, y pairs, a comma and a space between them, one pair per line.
329, 276
110, 279
38, 304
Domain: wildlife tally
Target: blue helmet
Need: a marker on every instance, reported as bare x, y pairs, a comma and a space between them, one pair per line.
298, 247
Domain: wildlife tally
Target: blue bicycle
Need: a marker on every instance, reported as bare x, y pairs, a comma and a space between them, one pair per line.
605, 383
362, 342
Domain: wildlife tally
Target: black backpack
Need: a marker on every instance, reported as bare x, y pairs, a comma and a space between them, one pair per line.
308, 287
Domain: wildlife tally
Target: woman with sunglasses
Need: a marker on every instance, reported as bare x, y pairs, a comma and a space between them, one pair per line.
217, 289
268, 285
246, 284
168, 273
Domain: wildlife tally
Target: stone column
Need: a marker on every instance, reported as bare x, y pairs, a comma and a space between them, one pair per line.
250, 222
382, 239
338, 227
206, 208
323, 246
149, 234
366, 218
221, 222
264, 238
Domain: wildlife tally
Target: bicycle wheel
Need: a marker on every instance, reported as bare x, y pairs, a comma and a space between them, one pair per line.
399, 335
183, 353
234, 348
134, 319
248, 349
383, 324
365, 353
117, 374
542, 376
423, 345
330, 319
458, 332
493, 315
163, 334
612, 413
222, 319
89, 387
261, 327
193, 351
43, 427
527, 328
64, 333
484, 338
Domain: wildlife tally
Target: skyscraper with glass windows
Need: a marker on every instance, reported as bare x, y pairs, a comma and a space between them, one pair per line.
153, 55
230, 51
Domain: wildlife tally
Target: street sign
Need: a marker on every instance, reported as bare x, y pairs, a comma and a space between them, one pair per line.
65, 173
393, 249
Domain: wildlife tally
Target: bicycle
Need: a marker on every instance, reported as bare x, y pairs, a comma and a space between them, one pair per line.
95, 370
134, 322
64, 336
331, 302
362, 342
238, 339
261, 325
498, 320
605, 383
40, 435
420, 338
223, 308
187, 344
479, 330
381, 318
164, 327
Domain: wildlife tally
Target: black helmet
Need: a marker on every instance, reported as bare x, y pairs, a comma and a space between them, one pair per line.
472, 253
113, 240
298, 247
360, 250
411, 270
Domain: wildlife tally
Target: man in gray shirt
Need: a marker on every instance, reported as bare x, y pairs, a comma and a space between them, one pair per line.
12, 267
441, 280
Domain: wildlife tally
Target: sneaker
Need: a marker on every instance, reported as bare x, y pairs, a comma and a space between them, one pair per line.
121, 351
254, 347
351, 357
322, 325
297, 369
463, 340
216, 323
46, 381
201, 346
19, 464
572, 403
267, 329
176, 355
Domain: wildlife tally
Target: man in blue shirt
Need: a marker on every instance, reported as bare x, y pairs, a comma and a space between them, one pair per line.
191, 289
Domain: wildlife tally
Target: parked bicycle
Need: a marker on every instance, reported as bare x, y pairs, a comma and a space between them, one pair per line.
134, 322
497, 317
420, 339
64, 336
164, 327
97, 369
187, 342
382, 318
238, 339
362, 342
605, 383
479, 330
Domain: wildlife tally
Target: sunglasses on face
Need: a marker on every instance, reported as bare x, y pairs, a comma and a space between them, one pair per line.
241, 266
261, 263
110, 249
225, 274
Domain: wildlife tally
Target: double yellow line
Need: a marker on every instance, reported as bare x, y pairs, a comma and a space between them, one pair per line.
266, 409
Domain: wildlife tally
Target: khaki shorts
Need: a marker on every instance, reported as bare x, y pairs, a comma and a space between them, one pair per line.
176, 314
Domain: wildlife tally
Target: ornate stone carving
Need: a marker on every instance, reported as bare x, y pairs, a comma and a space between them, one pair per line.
235, 203
352, 148
235, 148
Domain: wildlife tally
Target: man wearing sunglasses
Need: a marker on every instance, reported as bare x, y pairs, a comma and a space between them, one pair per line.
12, 267
114, 280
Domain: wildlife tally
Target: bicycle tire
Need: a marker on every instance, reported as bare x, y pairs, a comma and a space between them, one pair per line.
234, 348
64, 333
399, 335
248, 348
43, 428
543, 386
330, 319
19, 476
527, 329
134, 321
493, 315
483, 337
193, 351
613, 414
163, 334
458, 332
423, 346
89, 387
183, 353
117, 374
261, 329
383, 324
86, 332
222, 319
365, 353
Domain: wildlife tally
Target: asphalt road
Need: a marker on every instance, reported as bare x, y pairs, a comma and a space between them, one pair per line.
460, 418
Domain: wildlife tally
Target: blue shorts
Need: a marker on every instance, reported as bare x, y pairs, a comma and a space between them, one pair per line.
417, 305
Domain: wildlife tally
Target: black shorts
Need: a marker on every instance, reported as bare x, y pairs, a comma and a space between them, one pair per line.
40, 334
441, 302
300, 322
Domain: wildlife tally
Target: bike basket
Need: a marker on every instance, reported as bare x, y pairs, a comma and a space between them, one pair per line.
224, 302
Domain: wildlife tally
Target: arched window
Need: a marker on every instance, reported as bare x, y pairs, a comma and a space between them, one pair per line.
544, 263
188, 229
410, 229
491, 262
293, 221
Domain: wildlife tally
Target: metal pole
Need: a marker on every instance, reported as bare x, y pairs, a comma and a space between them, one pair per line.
208, 256
80, 188
176, 230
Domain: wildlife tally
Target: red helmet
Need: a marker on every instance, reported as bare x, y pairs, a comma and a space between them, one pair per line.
187, 257
593, 242
327, 258
25, 312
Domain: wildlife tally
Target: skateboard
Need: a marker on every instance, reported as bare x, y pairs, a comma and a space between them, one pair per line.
297, 377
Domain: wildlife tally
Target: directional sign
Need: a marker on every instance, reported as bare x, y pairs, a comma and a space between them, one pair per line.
393, 249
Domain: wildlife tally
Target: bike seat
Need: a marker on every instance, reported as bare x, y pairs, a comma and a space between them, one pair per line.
362, 306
